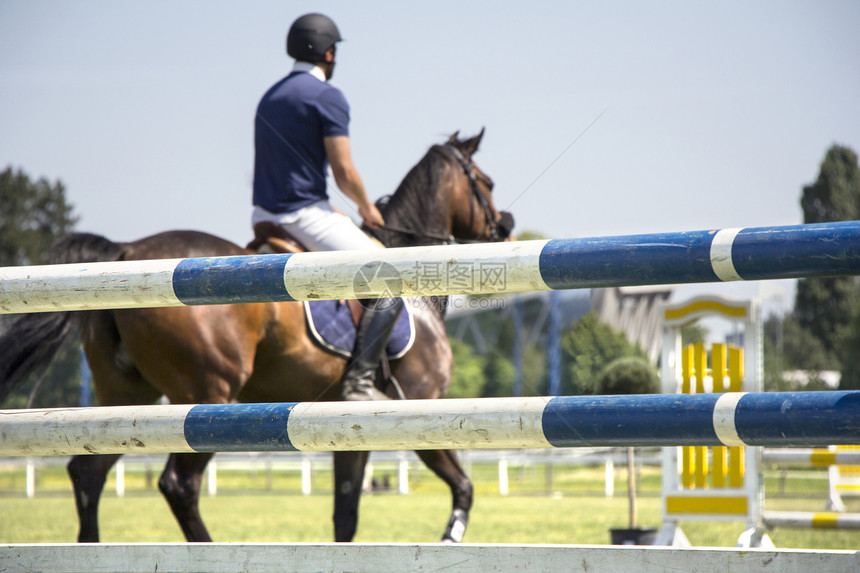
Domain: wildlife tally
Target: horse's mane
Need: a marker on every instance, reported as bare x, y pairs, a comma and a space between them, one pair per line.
415, 202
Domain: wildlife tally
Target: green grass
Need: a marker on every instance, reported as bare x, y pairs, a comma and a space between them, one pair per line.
262, 507
384, 518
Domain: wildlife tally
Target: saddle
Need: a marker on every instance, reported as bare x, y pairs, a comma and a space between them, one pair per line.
272, 238
322, 315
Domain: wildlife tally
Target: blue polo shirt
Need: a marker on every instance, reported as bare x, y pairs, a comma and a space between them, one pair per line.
290, 164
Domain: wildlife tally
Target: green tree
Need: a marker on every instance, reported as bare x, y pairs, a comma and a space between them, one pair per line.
801, 349
851, 364
530, 236
496, 347
468, 377
788, 346
773, 353
55, 386
535, 375
498, 376
34, 214
587, 349
693, 333
826, 307
629, 375
835, 195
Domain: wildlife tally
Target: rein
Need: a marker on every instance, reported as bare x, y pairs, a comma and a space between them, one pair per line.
468, 170
445, 239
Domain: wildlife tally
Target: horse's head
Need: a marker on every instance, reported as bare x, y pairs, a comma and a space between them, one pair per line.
444, 198
474, 217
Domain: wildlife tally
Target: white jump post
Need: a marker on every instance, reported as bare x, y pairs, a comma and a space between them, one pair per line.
720, 484
725, 484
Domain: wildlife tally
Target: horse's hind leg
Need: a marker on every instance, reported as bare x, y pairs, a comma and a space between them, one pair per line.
88, 475
445, 465
117, 382
348, 476
180, 485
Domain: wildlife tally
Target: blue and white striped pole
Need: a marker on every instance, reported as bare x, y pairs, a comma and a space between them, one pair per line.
731, 419
667, 258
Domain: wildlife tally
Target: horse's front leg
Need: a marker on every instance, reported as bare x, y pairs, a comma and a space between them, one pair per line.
445, 465
88, 474
348, 477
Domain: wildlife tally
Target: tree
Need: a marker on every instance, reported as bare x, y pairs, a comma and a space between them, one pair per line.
587, 349
630, 375
693, 333
826, 307
796, 347
788, 346
526, 235
33, 216
835, 195
851, 365
468, 377
55, 386
498, 375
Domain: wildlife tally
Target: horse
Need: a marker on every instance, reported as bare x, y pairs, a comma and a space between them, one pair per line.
259, 352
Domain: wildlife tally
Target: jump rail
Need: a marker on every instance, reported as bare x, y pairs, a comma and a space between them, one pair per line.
731, 419
407, 557
818, 458
667, 258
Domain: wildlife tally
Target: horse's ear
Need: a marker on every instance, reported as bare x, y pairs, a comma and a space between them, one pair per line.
470, 146
453, 139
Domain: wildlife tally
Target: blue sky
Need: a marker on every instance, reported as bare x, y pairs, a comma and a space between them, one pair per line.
603, 118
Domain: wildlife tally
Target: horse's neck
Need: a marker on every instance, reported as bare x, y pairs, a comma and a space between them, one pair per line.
435, 307
424, 213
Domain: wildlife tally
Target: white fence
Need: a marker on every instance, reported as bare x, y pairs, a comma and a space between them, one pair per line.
382, 464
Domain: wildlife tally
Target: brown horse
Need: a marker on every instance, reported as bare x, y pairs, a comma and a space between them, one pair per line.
258, 352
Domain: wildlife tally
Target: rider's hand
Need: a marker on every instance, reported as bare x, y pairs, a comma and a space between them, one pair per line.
371, 216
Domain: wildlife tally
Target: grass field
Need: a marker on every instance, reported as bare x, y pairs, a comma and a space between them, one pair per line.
261, 507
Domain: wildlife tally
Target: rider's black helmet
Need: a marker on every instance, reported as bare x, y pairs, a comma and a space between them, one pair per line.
310, 37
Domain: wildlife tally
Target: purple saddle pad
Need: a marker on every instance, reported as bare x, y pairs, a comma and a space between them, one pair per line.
331, 326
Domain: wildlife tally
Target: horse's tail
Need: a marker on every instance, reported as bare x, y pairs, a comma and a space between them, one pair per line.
32, 340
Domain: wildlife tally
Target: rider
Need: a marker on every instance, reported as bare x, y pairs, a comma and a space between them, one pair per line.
301, 129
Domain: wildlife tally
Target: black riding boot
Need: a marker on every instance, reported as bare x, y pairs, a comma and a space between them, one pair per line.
374, 328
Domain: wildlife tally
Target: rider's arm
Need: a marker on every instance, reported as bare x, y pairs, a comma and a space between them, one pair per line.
348, 179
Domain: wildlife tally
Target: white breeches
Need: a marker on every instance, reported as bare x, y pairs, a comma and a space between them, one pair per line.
319, 228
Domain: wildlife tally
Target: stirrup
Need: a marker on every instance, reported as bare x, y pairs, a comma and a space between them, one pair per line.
361, 389
386, 378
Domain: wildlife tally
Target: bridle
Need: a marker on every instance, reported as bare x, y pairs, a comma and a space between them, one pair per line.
474, 190
469, 170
